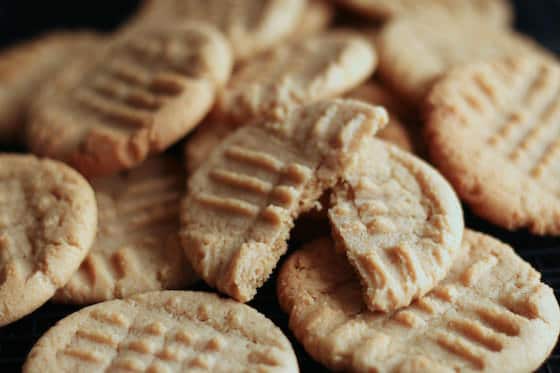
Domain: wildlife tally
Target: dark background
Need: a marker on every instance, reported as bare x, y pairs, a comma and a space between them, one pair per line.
21, 20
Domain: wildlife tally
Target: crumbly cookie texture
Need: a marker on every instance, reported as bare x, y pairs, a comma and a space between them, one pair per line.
399, 223
137, 248
202, 142
396, 132
297, 73
242, 201
497, 12
26, 67
491, 311
136, 97
168, 331
251, 26
47, 225
414, 52
507, 165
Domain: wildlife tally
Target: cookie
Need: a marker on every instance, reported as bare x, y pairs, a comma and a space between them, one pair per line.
25, 67
399, 223
48, 219
489, 314
142, 93
507, 166
297, 73
317, 16
242, 201
206, 137
395, 132
497, 12
167, 331
137, 247
251, 26
414, 51
257, 89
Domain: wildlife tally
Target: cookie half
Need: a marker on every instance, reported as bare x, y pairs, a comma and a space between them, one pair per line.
241, 203
490, 313
399, 223
297, 73
133, 98
25, 67
137, 248
251, 26
415, 51
168, 331
48, 219
507, 166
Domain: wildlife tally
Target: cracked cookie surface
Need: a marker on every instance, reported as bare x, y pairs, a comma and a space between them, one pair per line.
242, 202
399, 223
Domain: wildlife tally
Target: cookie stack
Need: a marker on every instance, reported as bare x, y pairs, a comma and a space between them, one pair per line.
284, 126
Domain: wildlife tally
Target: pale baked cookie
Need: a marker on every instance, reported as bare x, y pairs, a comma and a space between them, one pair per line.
490, 314
48, 219
167, 331
415, 51
251, 26
507, 164
242, 201
25, 67
206, 137
497, 12
296, 73
137, 248
395, 132
399, 223
111, 110
274, 84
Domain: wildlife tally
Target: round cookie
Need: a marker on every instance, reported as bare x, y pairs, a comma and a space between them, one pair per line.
507, 167
25, 67
251, 26
48, 219
134, 98
399, 223
137, 248
414, 51
395, 132
497, 12
242, 201
168, 331
296, 73
491, 312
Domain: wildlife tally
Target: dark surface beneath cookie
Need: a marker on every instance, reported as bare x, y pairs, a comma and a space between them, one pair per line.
20, 20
